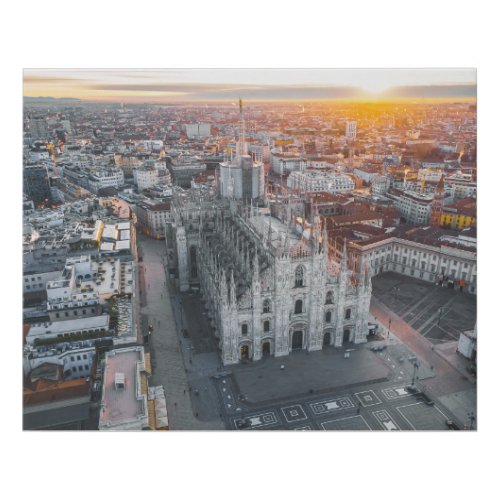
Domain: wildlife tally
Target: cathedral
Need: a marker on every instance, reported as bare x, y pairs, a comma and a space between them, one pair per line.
269, 285
268, 279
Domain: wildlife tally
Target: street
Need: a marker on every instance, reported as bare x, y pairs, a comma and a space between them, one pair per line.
167, 358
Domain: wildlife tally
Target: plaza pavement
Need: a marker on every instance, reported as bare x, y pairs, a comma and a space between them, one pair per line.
189, 369
308, 372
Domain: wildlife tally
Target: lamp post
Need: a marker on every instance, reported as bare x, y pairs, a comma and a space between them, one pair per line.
415, 370
471, 418
180, 307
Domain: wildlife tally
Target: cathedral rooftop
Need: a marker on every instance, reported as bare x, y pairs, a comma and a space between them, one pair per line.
278, 230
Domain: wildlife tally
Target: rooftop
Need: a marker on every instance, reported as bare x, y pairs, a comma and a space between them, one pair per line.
68, 326
124, 405
278, 230
113, 276
44, 390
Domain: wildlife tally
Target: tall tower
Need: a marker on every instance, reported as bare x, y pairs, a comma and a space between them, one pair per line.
241, 178
241, 145
350, 133
350, 130
437, 204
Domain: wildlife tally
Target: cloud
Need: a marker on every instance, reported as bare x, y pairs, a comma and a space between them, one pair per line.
225, 91
432, 91
34, 79
155, 87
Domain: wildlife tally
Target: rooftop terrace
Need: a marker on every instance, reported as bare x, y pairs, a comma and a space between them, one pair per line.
123, 405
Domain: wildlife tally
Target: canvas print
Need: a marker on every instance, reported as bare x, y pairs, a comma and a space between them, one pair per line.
249, 249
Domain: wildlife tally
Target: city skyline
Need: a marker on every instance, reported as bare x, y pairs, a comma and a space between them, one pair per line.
181, 85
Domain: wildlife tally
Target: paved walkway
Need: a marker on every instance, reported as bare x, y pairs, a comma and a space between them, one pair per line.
166, 356
448, 379
438, 313
306, 373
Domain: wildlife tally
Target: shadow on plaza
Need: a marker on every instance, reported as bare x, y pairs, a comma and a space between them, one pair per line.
438, 313
304, 373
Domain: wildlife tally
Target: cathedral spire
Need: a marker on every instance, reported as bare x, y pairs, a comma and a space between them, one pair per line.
223, 287
269, 233
324, 241
343, 259
241, 146
232, 289
255, 272
316, 224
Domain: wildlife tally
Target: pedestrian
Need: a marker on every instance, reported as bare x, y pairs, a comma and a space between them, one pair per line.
184, 391
196, 414
175, 404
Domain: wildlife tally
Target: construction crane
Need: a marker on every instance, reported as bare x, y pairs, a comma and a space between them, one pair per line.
52, 150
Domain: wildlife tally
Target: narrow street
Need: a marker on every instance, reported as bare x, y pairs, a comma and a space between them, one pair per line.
166, 357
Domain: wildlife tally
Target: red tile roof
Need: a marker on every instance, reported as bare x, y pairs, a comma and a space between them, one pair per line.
45, 391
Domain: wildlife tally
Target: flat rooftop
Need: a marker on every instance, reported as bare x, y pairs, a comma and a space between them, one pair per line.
113, 276
68, 326
124, 407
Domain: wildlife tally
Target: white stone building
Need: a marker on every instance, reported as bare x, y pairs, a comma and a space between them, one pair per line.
413, 206
194, 130
153, 217
316, 180
380, 185
427, 253
105, 178
145, 177
351, 129
268, 289
76, 363
461, 186
283, 163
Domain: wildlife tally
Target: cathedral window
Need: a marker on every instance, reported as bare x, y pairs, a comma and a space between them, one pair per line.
328, 317
347, 314
329, 298
266, 308
244, 329
299, 277
298, 307
266, 326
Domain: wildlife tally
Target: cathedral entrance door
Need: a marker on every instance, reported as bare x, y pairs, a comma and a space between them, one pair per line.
326, 338
297, 339
244, 353
266, 349
347, 334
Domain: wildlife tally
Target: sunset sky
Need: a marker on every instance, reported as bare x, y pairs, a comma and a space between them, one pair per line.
143, 85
